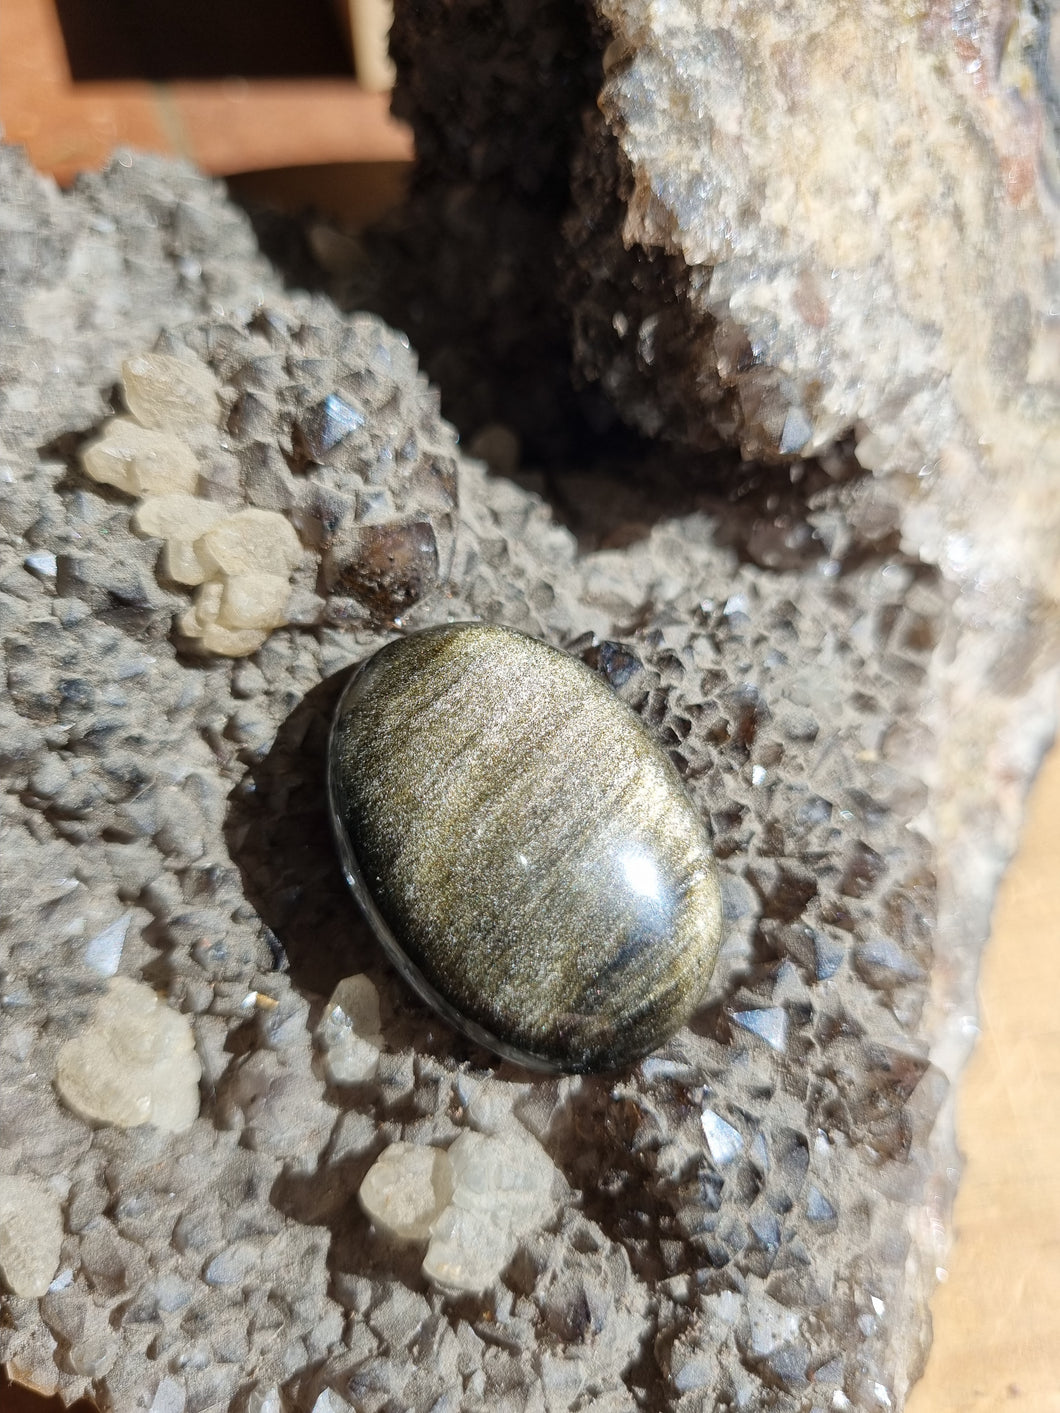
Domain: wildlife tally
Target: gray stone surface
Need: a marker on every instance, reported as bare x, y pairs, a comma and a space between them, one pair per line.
831, 223
752, 1215
782, 233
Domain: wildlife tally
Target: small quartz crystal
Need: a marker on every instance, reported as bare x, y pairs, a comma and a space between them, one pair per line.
349, 1033
387, 567
103, 952
134, 1064
723, 1141
324, 426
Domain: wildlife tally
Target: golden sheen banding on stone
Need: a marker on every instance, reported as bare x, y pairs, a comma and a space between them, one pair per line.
525, 852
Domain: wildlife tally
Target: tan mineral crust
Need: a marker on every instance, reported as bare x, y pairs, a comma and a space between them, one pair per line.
241, 1167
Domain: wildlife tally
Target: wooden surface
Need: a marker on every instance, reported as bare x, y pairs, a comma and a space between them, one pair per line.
997, 1316
224, 126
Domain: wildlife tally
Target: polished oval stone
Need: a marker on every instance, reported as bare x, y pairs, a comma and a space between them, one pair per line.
525, 852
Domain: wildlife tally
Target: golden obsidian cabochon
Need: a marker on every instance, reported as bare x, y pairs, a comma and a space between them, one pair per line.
525, 852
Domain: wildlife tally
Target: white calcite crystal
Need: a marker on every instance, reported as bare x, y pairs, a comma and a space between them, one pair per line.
250, 542
134, 1064
473, 1202
174, 393
406, 1189
179, 520
141, 461
241, 562
241, 558
503, 1188
233, 616
350, 1034
253, 601
31, 1235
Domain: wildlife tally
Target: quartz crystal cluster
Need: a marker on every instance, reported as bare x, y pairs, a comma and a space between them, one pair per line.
752, 1216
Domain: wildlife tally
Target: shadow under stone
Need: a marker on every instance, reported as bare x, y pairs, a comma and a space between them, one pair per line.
279, 835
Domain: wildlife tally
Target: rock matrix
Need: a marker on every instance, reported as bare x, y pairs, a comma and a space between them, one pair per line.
751, 1215
798, 233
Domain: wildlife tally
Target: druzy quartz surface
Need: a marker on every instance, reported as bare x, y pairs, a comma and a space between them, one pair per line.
755, 1217
525, 852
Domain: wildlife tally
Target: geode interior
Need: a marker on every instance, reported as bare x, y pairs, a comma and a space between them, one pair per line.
778, 231
750, 1217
